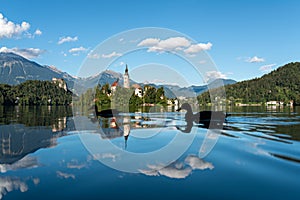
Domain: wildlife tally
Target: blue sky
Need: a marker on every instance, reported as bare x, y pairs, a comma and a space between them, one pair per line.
248, 38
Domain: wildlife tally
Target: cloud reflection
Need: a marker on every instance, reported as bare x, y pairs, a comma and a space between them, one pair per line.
74, 164
178, 170
25, 163
65, 175
9, 184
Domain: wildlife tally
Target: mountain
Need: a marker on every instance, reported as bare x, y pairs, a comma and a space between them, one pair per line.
194, 90
107, 76
15, 69
281, 84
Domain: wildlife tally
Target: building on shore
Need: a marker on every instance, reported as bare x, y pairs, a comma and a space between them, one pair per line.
61, 83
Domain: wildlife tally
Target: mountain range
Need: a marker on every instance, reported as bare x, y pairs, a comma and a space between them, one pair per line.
15, 69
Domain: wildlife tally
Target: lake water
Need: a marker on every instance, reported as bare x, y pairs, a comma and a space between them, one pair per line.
47, 153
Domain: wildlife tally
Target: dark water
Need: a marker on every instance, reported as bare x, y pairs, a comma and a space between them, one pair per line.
46, 153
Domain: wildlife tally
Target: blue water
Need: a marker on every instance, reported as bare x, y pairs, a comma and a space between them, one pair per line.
255, 156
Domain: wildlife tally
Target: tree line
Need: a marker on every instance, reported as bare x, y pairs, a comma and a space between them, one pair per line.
34, 92
281, 85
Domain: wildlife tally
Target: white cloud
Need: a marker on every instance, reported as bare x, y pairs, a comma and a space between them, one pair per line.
113, 54
174, 44
170, 44
212, 75
38, 32
9, 29
67, 39
195, 48
255, 59
267, 68
149, 42
77, 50
93, 56
27, 53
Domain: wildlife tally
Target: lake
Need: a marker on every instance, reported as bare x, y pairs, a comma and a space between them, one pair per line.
49, 153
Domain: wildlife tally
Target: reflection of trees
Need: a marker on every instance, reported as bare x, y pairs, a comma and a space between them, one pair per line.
18, 140
24, 130
51, 116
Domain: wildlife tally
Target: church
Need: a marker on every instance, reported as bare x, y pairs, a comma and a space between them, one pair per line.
138, 91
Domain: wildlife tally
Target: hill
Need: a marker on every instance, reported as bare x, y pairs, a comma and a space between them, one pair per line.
281, 84
15, 69
34, 92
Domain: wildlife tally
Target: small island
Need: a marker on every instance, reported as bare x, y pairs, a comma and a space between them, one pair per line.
125, 95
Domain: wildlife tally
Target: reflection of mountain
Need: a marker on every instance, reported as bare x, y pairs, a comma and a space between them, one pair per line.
25, 130
18, 140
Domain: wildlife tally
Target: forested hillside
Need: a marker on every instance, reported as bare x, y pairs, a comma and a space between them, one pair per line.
34, 92
282, 84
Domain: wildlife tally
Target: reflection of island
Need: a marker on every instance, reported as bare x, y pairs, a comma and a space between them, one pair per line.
121, 125
114, 127
25, 130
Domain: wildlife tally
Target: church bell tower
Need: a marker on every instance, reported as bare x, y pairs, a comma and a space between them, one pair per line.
126, 78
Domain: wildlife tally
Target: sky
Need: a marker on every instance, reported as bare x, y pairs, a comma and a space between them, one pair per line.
241, 39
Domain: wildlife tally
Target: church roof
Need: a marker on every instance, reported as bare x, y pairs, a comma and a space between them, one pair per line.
116, 83
136, 86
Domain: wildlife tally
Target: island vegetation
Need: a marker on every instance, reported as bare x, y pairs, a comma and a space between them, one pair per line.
106, 97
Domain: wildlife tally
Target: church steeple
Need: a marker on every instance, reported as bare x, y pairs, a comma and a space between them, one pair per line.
126, 78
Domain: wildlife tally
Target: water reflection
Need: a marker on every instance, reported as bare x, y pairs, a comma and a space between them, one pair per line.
263, 142
23, 131
179, 169
9, 184
17, 140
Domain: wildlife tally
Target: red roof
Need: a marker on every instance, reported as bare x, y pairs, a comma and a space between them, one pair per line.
114, 84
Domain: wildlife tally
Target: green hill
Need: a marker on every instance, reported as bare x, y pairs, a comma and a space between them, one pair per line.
282, 84
34, 92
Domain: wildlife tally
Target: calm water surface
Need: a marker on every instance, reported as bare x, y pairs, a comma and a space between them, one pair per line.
256, 156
